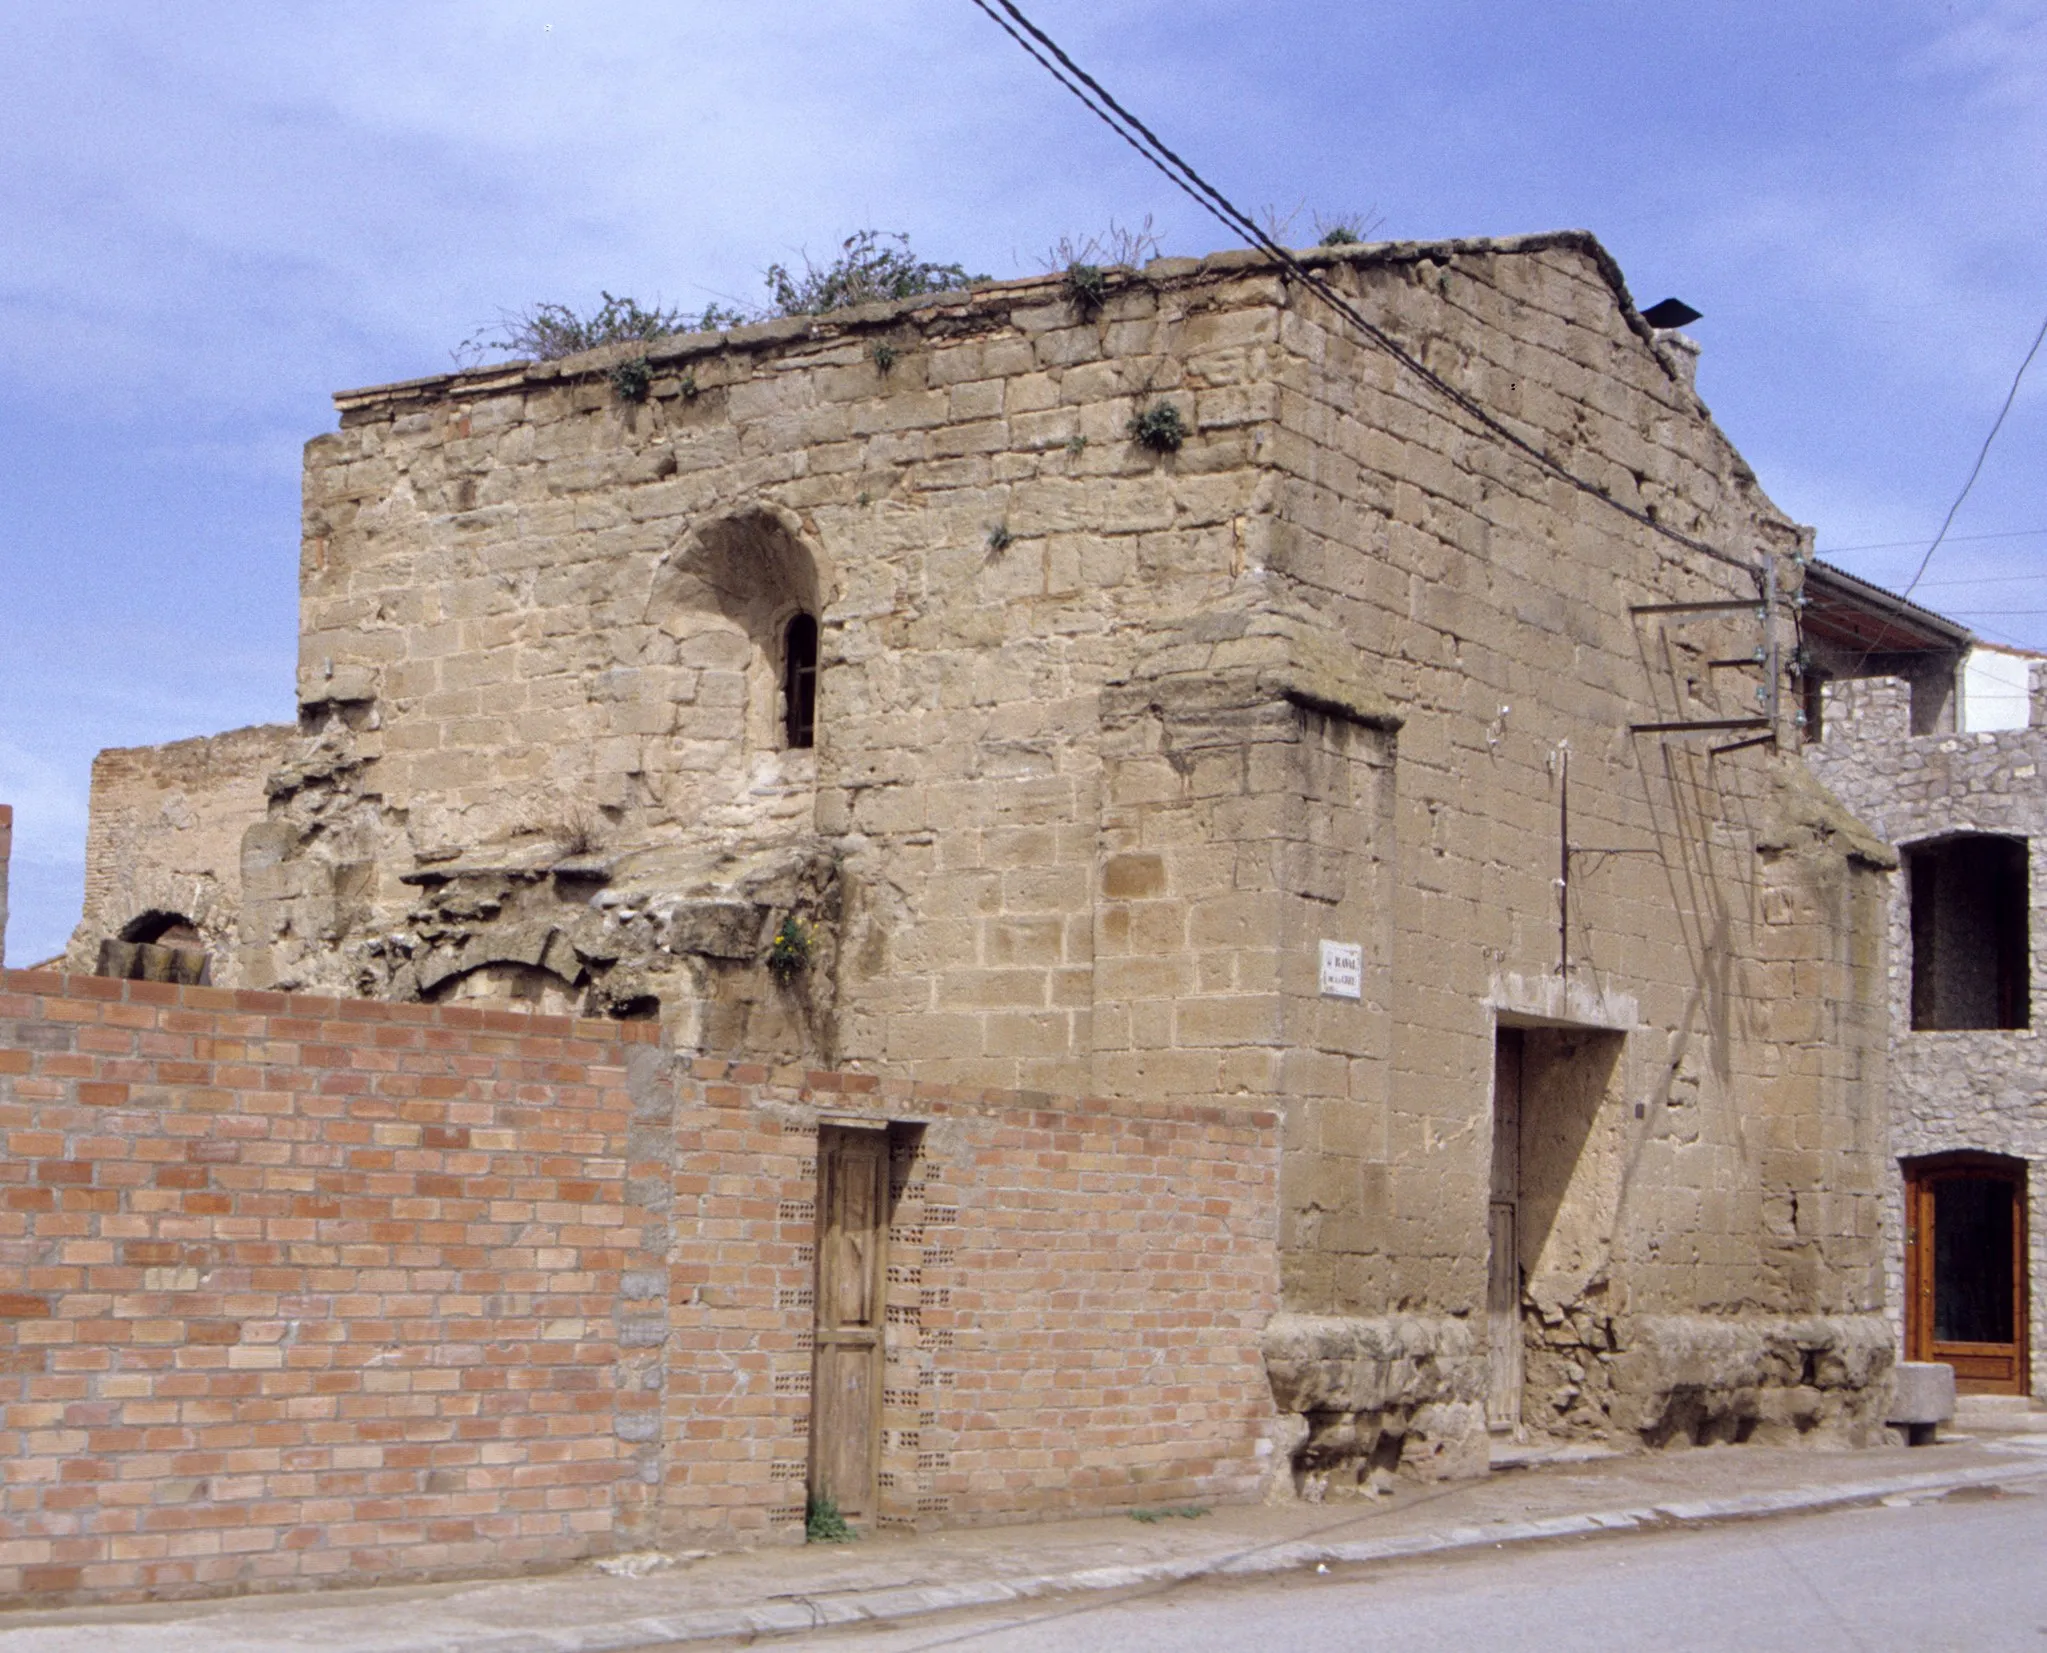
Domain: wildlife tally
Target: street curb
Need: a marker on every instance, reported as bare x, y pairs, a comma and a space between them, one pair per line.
797, 1613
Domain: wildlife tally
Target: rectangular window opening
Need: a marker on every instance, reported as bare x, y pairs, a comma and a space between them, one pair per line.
1971, 939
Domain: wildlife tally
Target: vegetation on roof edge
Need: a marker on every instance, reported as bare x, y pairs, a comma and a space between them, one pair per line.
871, 266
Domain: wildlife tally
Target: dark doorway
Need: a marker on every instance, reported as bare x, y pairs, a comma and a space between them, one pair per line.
1965, 1269
1503, 1265
1971, 963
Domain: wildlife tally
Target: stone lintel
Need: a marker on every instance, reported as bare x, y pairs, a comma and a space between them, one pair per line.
1555, 1001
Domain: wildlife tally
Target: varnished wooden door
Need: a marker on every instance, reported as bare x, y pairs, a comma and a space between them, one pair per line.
1965, 1271
846, 1368
1503, 1227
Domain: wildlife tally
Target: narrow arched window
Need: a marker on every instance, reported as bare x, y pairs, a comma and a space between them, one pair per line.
799, 680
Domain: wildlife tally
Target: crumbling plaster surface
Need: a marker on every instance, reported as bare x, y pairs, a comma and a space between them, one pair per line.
1987, 1090
1110, 741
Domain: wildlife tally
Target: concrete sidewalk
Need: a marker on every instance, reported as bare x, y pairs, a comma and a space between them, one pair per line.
791, 1590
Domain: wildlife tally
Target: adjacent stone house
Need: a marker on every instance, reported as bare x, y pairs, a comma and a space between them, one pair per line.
1939, 743
903, 692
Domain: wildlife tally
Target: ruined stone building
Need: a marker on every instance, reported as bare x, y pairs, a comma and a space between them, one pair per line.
1939, 742
1172, 714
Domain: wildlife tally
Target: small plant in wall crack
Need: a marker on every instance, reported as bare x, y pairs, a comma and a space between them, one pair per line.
1084, 264
1000, 539
822, 1522
631, 380
1087, 288
1346, 229
1158, 427
789, 957
885, 355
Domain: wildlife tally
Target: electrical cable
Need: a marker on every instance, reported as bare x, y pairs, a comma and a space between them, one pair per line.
1873, 647
1914, 545
1987, 579
1104, 106
1982, 454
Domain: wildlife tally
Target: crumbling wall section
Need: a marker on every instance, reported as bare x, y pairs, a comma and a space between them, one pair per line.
521, 594
165, 838
1512, 621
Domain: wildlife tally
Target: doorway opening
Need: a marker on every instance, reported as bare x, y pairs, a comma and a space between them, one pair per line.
1965, 1269
1550, 1213
1503, 1260
847, 1362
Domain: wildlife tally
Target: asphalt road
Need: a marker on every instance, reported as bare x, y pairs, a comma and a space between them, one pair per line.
1968, 1571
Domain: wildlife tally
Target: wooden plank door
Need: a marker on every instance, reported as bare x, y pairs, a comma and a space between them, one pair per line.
1503, 1262
846, 1367
1965, 1274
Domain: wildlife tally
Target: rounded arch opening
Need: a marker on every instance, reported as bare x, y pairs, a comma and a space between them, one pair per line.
742, 597
157, 928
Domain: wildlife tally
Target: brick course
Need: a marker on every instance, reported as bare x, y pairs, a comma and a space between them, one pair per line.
1075, 1295
298, 1291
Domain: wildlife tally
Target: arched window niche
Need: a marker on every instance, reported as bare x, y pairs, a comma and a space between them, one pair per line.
741, 596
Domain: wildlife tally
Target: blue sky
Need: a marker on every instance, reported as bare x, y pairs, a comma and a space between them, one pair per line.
213, 215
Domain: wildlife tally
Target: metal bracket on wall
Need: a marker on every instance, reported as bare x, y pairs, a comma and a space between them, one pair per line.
1768, 655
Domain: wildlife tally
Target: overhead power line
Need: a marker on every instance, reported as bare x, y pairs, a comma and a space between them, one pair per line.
1884, 632
1053, 59
1914, 545
1982, 453
1987, 579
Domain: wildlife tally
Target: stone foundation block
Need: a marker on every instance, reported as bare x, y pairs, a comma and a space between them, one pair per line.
1696, 1379
1922, 1394
1362, 1400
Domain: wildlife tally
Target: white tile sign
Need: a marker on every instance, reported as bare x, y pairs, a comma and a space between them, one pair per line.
1343, 970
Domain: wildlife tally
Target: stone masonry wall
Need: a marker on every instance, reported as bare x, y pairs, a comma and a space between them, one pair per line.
1981, 1090
1725, 917
165, 837
306, 1291
1110, 740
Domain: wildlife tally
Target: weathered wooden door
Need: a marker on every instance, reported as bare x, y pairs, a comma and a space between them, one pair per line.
846, 1369
1965, 1271
1503, 1263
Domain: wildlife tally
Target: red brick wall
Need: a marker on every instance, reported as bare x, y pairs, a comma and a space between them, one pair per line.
1075, 1295
299, 1290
